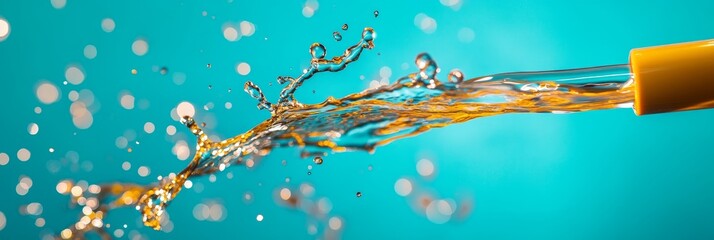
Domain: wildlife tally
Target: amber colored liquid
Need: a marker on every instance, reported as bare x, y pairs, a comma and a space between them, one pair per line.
365, 120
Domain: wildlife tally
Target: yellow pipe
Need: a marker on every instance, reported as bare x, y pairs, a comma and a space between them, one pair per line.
673, 77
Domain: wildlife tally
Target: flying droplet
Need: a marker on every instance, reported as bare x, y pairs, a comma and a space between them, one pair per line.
423, 60
317, 160
345, 27
359, 194
368, 34
255, 92
376, 13
282, 80
164, 70
317, 51
427, 67
337, 36
252, 89
456, 76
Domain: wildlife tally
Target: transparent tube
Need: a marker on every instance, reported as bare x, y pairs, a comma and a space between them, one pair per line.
604, 77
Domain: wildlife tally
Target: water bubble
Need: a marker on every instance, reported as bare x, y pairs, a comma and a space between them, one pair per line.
90, 51
108, 25
425, 23
317, 51
403, 187
33, 128
359, 194
243, 68
4, 158
427, 67
47, 93
185, 109
368, 34
4, 29
58, 4
376, 13
208, 66
3, 221
74, 75
456, 76
423, 60
230, 33
317, 160
140, 47
337, 36
247, 28
335, 223
425, 167
23, 154
345, 26
164, 70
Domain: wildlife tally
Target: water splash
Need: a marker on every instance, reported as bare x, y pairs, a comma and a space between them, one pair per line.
317, 64
361, 121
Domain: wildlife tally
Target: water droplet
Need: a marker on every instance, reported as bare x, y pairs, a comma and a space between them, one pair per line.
359, 194
423, 60
317, 160
210, 86
427, 67
337, 36
309, 173
368, 34
283, 80
344, 26
456, 76
317, 51
208, 66
251, 89
255, 92
376, 13
164, 70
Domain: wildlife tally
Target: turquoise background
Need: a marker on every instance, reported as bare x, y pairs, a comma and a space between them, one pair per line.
593, 175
